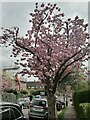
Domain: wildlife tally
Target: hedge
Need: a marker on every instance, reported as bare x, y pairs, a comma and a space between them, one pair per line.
82, 96
81, 100
15, 92
85, 107
8, 97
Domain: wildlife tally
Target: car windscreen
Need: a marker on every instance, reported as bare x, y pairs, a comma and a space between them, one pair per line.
39, 103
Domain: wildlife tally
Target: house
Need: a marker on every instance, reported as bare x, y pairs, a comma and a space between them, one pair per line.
31, 84
36, 84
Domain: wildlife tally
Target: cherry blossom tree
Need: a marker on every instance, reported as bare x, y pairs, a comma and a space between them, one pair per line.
51, 49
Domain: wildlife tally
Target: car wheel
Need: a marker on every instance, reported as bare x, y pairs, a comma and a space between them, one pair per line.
46, 117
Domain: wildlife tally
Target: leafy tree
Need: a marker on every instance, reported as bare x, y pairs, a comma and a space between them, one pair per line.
51, 48
25, 92
7, 81
80, 81
80, 85
73, 82
65, 84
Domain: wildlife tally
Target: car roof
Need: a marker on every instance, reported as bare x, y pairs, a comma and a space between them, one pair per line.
38, 95
43, 99
8, 104
23, 98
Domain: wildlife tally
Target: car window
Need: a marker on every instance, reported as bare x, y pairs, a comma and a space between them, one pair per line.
5, 114
12, 114
26, 98
42, 103
16, 112
37, 96
39, 102
9, 113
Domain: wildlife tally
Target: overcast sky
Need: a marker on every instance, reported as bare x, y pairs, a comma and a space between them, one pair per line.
17, 14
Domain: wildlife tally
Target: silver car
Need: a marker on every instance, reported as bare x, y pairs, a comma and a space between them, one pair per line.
38, 109
23, 102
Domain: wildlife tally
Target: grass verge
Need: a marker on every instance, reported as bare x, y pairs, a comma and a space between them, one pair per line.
61, 113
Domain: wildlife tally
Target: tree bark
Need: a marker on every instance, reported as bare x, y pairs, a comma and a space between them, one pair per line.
51, 106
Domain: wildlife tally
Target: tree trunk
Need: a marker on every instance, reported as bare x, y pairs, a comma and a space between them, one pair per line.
51, 106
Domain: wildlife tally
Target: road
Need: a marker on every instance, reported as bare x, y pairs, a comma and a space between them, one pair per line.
25, 112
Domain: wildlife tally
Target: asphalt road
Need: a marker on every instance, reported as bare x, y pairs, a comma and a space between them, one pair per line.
25, 112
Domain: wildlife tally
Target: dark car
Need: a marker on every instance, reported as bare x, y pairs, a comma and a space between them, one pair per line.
38, 97
10, 111
59, 105
38, 109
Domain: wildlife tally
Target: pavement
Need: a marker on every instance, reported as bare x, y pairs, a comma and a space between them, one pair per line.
70, 113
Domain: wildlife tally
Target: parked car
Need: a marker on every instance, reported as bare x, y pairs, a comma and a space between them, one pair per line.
10, 111
38, 97
38, 109
23, 102
59, 105
71, 101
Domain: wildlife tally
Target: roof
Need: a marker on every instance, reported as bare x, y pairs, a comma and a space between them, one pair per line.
8, 104
36, 84
44, 99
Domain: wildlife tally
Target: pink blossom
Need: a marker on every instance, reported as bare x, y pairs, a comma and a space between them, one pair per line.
47, 74
53, 46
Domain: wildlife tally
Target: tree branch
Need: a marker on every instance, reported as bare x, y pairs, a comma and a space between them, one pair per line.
63, 70
65, 77
39, 27
65, 61
28, 50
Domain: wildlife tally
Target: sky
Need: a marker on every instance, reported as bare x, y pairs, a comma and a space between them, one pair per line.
16, 13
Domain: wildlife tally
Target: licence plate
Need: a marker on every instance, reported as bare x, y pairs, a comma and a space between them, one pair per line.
37, 109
